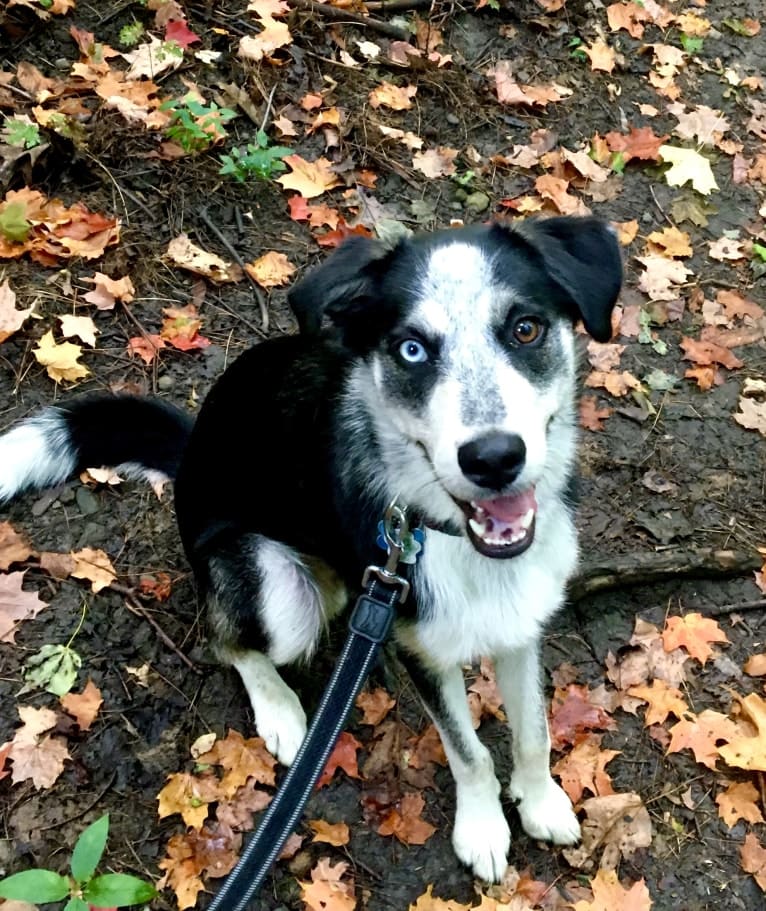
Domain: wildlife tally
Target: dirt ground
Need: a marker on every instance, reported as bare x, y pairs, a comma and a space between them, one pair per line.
717, 468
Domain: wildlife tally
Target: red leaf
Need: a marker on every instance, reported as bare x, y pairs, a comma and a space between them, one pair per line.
342, 757
177, 30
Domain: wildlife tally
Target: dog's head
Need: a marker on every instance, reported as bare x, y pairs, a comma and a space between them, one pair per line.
467, 339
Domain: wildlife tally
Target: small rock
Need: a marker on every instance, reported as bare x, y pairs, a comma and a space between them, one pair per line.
453, 119
477, 202
87, 501
461, 195
456, 206
166, 381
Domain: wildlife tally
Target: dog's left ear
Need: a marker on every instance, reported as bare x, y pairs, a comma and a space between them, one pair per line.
340, 286
582, 256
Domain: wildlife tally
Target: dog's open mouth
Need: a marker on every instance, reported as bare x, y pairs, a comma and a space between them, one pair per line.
503, 527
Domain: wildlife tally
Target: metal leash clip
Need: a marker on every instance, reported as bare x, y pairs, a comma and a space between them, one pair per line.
395, 531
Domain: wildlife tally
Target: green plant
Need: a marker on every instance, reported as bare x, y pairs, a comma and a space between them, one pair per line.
82, 888
131, 34
21, 132
691, 44
195, 126
259, 159
575, 50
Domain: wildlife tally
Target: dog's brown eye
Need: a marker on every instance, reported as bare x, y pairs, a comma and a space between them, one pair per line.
527, 330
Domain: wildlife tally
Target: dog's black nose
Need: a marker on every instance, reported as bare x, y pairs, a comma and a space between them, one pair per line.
493, 461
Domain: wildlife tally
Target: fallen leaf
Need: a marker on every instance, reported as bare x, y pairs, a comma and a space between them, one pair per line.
703, 125
146, 346
53, 668
14, 547
572, 713
695, 633
751, 415
16, 605
617, 384
755, 665
753, 857
183, 253
335, 834
81, 327
274, 36
670, 242
84, 706
610, 895
190, 795
343, 757
746, 750
178, 30
701, 734
617, 823
726, 249
11, 319
583, 768
739, 801
640, 142
602, 56
309, 178
180, 328
439, 162
405, 823
37, 755
241, 759
271, 270
326, 891
190, 855
705, 354
375, 705
663, 700
591, 416
556, 189
662, 277
397, 98
60, 360
108, 291
688, 166
429, 902
511, 92
95, 566
152, 58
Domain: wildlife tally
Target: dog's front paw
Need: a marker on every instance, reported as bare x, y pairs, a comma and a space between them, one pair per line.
546, 812
482, 839
282, 726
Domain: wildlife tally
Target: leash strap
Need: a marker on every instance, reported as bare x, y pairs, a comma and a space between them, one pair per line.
369, 626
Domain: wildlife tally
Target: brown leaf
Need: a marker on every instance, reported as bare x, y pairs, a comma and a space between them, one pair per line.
335, 834
194, 853
484, 699
397, 98
602, 56
617, 823
11, 319
84, 706
511, 92
439, 162
189, 795
591, 416
617, 384
375, 705
405, 824
583, 768
95, 566
556, 190
37, 755
663, 700
705, 354
16, 605
670, 242
640, 142
183, 253
241, 759
237, 812
739, 801
701, 734
753, 857
755, 665
747, 750
327, 891
14, 547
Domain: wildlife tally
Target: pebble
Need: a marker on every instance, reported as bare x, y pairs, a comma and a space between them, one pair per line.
166, 381
477, 202
87, 501
453, 119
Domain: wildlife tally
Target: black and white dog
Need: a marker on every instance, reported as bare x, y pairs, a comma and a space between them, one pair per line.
447, 380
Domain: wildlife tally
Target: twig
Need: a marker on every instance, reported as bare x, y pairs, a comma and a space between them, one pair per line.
331, 12
625, 570
85, 810
395, 6
717, 609
135, 607
214, 229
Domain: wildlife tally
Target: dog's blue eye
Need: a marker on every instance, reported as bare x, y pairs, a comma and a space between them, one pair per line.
413, 352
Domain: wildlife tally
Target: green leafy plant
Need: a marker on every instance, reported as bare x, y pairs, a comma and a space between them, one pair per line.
82, 888
259, 160
194, 125
691, 44
21, 132
575, 49
131, 34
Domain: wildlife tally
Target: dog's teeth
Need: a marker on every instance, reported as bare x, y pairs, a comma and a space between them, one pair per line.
527, 520
477, 527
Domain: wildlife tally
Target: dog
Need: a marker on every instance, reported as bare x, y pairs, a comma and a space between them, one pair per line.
441, 372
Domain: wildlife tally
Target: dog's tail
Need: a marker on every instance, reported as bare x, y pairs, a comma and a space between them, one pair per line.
140, 437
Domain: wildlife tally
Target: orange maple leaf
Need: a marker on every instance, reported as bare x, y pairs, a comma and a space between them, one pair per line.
327, 891
309, 178
694, 632
640, 142
591, 416
405, 823
241, 759
746, 750
84, 706
180, 328
609, 894
335, 834
271, 270
584, 769
14, 547
753, 857
663, 700
739, 801
701, 734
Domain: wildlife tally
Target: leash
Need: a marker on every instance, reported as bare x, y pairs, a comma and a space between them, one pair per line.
369, 626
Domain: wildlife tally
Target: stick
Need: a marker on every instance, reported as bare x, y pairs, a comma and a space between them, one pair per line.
331, 12
639, 569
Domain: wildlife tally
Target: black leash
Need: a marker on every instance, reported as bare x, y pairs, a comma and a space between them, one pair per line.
369, 626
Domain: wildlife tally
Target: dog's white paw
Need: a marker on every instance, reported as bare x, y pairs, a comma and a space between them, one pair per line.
482, 838
546, 811
282, 726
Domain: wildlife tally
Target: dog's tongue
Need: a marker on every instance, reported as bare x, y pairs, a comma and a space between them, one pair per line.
512, 508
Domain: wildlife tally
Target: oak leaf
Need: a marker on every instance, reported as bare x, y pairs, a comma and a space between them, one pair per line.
84, 706
271, 270
335, 834
16, 605
11, 319
609, 895
695, 633
309, 178
739, 801
701, 734
405, 823
60, 360
14, 547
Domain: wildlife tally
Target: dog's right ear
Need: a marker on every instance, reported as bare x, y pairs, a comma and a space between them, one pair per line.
341, 287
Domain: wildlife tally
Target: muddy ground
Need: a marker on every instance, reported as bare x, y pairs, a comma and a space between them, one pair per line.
144, 734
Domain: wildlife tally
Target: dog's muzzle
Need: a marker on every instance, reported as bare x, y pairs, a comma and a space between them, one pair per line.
503, 526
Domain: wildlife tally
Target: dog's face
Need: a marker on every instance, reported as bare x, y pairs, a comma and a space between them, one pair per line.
468, 337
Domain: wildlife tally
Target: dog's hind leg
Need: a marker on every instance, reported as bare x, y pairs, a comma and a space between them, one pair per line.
265, 609
545, 809
481, 837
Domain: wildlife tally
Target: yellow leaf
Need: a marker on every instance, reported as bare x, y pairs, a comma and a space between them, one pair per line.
688, 166
271, 269
388, 95
82, 327
95, 566
309, 178
60, 361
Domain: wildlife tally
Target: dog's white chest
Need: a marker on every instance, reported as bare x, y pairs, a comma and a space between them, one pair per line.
470, 605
